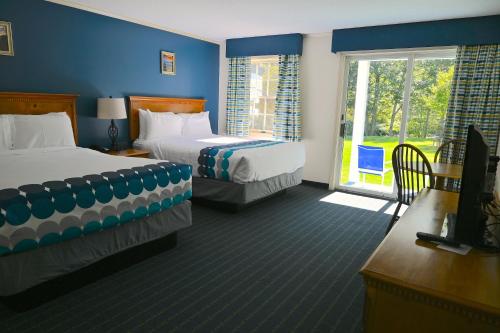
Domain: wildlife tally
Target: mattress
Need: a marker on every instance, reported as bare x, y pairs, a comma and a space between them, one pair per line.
27, 269
244, 160
51, 195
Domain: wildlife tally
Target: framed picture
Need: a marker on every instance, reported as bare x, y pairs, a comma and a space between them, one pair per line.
6, 44
167, 63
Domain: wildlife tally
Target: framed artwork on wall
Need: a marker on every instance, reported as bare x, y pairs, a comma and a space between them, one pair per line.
6, 43
167, 63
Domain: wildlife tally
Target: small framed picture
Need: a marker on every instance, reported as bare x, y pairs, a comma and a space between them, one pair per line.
6, 44
167, 63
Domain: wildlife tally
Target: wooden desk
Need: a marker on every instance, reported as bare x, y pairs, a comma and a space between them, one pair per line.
412, 286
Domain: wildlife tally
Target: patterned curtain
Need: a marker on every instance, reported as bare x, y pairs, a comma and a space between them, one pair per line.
287, 115
475, 96
238, 97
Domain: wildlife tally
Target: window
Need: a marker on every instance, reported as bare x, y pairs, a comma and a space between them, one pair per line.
263, 87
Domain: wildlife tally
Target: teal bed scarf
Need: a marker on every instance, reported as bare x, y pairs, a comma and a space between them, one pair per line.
214, 162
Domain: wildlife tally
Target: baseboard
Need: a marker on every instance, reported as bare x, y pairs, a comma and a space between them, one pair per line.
324, 186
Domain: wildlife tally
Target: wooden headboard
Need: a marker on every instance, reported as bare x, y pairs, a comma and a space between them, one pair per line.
159, 104
37, 103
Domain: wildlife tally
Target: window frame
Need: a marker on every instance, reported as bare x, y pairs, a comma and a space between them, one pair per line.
410, 55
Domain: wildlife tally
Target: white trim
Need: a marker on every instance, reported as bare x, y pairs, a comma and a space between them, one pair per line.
408, 55
357, 190
72, 4
317, 34
338, 143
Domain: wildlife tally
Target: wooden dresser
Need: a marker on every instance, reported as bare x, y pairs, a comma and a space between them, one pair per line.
412, 286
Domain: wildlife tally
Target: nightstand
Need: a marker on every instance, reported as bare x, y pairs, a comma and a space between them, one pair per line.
131, 152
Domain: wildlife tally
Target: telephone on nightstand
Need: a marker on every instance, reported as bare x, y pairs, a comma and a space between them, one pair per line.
99, 148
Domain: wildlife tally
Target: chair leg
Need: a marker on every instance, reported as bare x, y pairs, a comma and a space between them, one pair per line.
394, 218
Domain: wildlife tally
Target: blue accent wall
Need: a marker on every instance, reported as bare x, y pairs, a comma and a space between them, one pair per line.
465, 31
59, 49
264, 45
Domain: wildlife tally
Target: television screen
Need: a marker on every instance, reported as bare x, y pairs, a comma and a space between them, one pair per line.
470, 219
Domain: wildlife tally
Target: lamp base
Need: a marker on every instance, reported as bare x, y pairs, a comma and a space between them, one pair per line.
113, 135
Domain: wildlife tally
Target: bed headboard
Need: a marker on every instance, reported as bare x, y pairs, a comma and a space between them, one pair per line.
159, 104
38, 103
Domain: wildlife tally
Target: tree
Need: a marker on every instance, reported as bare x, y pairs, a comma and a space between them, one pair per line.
427, 110
428, 98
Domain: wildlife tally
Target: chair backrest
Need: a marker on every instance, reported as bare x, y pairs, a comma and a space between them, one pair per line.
371, 158
451, 151
412, 172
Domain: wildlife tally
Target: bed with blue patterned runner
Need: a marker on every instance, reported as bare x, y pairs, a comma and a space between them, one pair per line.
214, 162
37, 215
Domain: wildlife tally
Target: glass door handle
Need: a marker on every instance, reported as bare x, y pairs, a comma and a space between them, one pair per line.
342, 130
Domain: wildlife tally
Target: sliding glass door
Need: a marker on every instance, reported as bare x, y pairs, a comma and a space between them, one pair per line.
390, 99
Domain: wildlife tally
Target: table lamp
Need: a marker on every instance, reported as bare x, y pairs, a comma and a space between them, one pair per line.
111, 108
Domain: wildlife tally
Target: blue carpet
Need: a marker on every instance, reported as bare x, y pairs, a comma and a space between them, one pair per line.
289, 264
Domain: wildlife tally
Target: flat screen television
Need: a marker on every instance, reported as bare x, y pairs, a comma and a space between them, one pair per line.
468, 225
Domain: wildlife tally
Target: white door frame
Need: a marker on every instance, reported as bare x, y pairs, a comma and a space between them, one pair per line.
410, 55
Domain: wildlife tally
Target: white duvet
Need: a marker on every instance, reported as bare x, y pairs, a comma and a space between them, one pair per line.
37, 165
45, 220
255, 164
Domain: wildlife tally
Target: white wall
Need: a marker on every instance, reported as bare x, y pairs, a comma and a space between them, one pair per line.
223, 67
319, 84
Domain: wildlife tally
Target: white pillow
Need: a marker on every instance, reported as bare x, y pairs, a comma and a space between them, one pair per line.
5, 132
162, 125
192, 115
143, 119
40, 131
196, 125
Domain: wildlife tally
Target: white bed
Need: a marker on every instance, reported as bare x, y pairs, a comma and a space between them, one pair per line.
250, 165
65, 209
37, 165
251, 170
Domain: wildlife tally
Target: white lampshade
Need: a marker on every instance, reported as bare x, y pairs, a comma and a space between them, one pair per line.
111, 108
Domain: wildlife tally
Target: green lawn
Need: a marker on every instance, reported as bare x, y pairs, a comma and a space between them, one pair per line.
426, 145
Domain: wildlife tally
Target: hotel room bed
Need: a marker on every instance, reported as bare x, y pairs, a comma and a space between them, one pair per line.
241, 170
64, 209
225, 169
74, 194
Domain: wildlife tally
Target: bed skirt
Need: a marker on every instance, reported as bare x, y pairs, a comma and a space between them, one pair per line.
245, 193
22, 271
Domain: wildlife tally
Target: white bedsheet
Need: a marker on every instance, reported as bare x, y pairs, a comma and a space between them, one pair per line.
251, 165
37, 165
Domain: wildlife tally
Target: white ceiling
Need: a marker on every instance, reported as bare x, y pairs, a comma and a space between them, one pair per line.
216, 20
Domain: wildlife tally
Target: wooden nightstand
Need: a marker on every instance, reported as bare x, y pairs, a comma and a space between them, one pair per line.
131, 152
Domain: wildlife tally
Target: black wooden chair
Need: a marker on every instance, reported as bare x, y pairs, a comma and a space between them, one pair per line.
412, 172
453, 150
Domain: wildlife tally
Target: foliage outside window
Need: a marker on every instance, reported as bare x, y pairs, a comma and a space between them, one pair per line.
428, 99
263, 88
